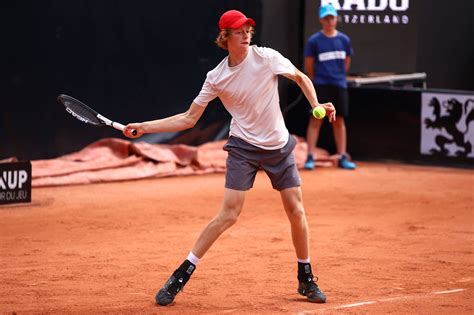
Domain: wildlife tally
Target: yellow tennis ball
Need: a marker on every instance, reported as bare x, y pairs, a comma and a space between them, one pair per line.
319, 112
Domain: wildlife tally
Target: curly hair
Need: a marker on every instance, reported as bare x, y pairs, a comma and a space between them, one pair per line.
221, 39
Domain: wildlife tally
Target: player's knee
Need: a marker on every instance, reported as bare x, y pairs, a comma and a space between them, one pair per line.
229, 216
228, 220
231, 219
296, 214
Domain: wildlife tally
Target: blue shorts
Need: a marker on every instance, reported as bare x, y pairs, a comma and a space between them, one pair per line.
244, 160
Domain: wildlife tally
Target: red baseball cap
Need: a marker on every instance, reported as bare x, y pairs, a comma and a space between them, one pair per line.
234, 19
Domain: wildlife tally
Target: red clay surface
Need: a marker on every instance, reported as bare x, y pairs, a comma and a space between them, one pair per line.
398, 238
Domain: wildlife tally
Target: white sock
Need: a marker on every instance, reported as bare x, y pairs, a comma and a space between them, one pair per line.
193, 259
304, 261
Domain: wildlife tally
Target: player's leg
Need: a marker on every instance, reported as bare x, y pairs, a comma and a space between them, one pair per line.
227, 216
293, 204
280, 167
240, 176
241, 170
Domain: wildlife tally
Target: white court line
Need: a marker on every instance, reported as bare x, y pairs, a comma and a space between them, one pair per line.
449, 291
357, 304
405, 297
393, 299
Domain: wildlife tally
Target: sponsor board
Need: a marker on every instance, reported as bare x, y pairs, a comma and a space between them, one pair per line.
371, 11
447, 125
15, 182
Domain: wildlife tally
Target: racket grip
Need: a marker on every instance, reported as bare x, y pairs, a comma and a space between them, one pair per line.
121, 127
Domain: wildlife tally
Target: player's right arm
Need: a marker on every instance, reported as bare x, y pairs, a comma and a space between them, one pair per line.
177, 122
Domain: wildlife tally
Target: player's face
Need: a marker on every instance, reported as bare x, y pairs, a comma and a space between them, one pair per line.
329, 22
240, 37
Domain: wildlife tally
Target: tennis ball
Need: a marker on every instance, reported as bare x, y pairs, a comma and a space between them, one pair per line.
319, 112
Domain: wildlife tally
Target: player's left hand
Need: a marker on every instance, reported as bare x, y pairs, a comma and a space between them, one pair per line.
330, 111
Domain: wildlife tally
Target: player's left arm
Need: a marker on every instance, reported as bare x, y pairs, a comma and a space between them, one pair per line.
308, 89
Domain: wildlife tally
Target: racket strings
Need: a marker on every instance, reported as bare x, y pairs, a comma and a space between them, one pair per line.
82, 112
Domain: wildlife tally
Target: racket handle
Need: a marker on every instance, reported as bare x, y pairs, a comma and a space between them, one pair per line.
121, 127
118, 126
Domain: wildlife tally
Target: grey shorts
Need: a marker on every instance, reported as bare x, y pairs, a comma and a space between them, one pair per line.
244, 160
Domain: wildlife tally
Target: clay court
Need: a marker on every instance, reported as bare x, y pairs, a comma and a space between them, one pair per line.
387, 238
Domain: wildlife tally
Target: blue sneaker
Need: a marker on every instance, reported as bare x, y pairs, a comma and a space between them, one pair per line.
345, 163
309, 164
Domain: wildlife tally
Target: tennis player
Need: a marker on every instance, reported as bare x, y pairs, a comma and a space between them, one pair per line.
246, 82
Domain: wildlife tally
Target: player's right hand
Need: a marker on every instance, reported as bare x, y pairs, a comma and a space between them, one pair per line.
128, 131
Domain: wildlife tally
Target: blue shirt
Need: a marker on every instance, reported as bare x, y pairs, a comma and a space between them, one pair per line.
329, 54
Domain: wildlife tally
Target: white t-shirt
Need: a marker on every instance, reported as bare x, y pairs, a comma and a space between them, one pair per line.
249, 92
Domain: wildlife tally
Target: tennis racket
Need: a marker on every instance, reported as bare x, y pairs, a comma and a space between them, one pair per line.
87, 115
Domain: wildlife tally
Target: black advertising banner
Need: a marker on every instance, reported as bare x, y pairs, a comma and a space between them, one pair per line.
15, 182
383, 32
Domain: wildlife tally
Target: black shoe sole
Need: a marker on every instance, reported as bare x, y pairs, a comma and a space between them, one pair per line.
164, 298
319, 298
